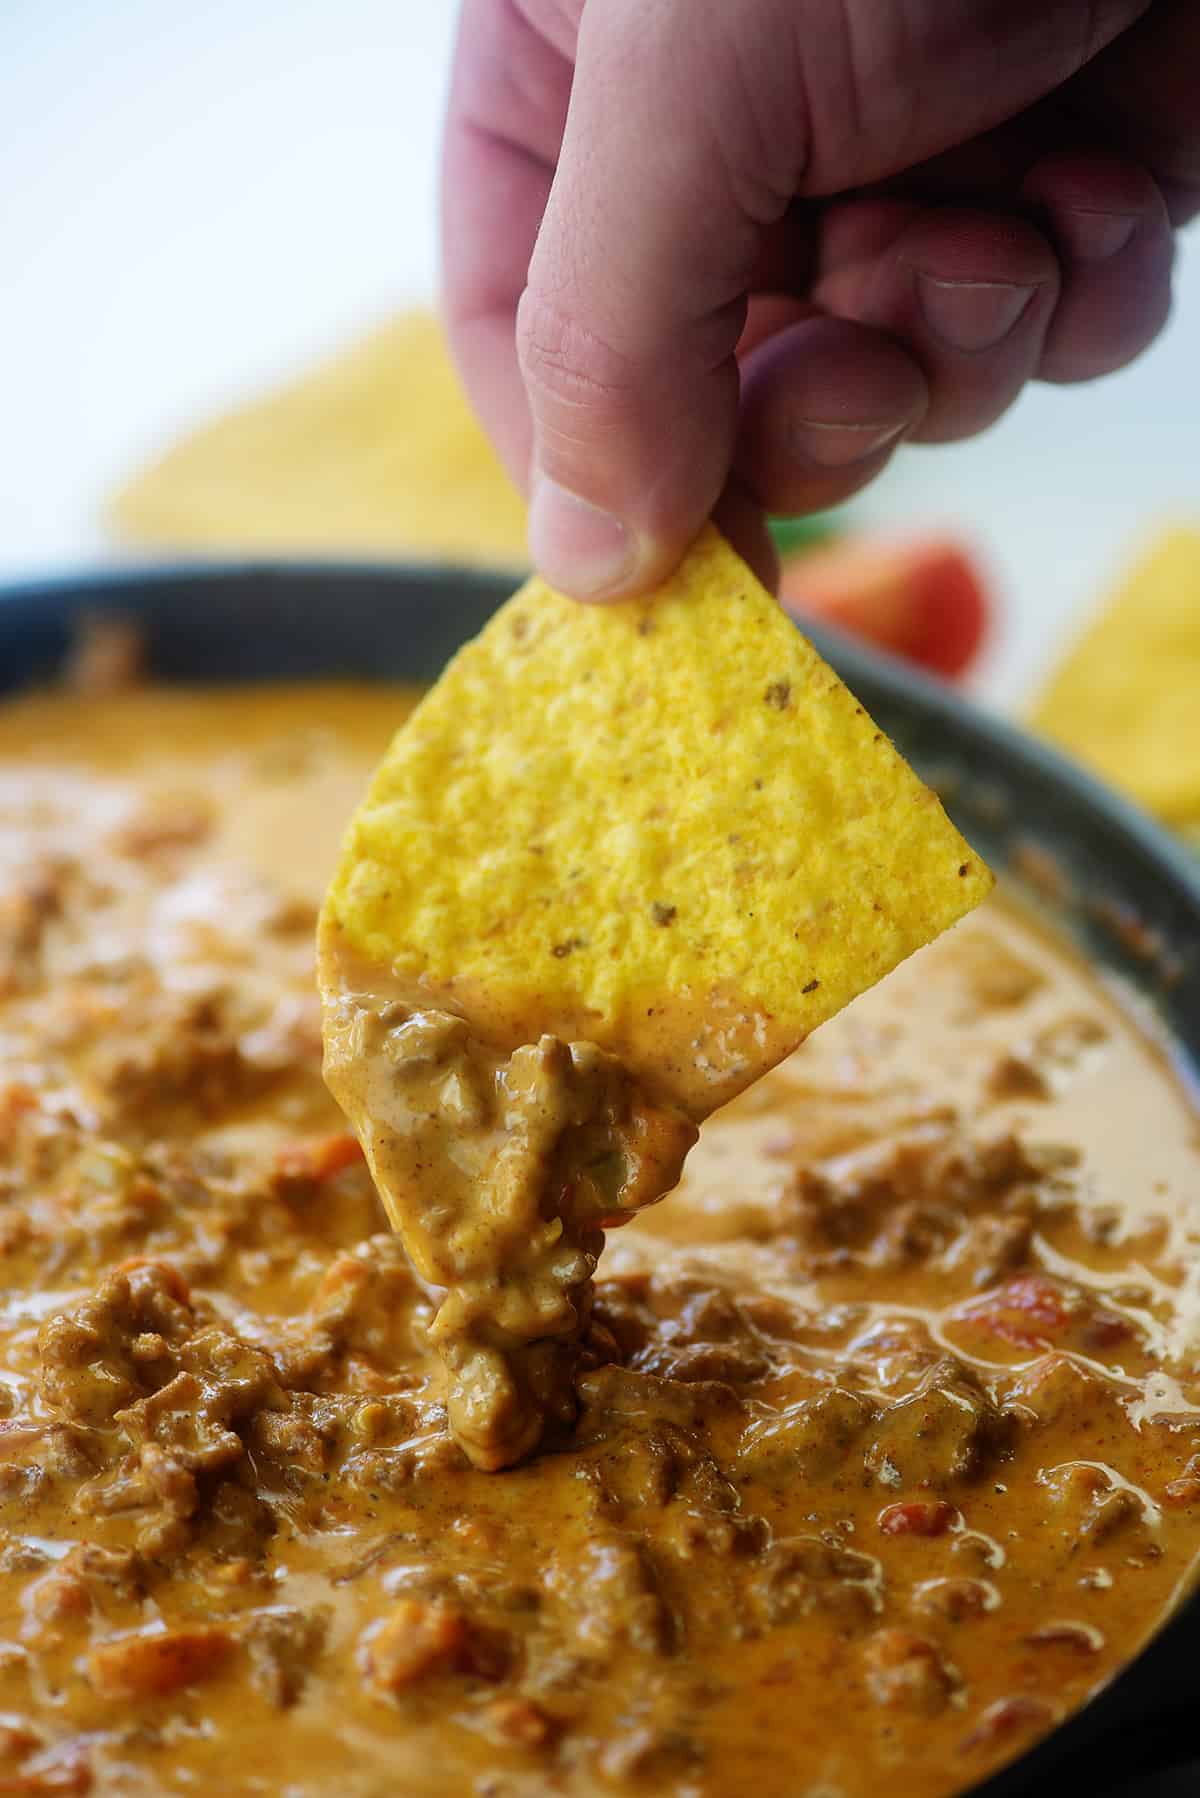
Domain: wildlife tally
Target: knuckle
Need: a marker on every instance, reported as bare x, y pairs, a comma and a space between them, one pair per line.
1092, 181
955, 416
567, 364
1085, 349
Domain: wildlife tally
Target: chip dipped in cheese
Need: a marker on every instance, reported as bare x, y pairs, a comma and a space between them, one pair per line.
665, 828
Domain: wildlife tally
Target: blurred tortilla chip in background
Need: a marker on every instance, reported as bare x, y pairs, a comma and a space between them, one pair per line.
1126, 700
376, 452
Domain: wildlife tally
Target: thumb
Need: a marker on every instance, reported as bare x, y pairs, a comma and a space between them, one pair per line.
635, 298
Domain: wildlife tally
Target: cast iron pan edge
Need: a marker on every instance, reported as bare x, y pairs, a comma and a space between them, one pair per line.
1088, 861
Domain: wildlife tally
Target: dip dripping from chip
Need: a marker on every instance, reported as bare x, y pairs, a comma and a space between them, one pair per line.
617, 864
501, 1172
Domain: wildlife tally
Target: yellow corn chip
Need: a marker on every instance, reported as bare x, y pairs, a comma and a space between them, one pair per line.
665, 827
376, 453
1127, 698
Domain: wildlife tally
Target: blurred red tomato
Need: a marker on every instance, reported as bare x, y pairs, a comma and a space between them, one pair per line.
924, 600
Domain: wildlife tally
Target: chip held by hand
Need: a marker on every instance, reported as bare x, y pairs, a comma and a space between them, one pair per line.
664, 827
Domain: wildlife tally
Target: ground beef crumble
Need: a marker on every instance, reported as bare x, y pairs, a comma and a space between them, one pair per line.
236, 1534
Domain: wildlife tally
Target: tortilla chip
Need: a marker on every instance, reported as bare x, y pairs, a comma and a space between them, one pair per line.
664, 827
376, 453
1127, 699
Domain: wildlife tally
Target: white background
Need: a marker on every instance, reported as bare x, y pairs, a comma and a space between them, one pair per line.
198, 196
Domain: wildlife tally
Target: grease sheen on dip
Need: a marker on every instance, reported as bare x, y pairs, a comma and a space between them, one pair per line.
888, 1419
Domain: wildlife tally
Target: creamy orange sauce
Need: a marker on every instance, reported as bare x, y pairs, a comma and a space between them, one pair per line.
886, 1454
501, 1174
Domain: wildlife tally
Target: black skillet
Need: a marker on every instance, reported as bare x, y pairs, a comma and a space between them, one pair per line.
1093, 866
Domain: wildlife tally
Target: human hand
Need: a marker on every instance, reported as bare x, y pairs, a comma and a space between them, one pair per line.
735, 251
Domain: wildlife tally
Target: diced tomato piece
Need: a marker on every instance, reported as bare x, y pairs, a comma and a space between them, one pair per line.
1038, 1299
425, 1637
1007, 1717
148, 1665
319, 1160
1025, 1312
925, 600
1033, 1310
17, 1100
1106, 1329
922, 1517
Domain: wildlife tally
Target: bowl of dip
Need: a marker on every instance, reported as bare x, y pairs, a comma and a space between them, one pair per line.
887, 1475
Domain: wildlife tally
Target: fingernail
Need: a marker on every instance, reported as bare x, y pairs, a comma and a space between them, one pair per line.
1095, 236
971, 315
837, 445
577, 547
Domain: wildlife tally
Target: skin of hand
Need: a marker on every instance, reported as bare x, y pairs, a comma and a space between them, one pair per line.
728, 254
